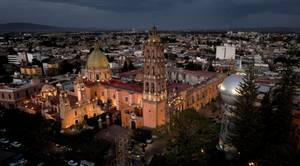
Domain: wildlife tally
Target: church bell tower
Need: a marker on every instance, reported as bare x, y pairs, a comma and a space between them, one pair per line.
155, 93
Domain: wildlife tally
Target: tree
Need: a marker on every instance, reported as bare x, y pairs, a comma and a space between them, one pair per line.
282, 99
248, 131
130, 66
77, 57
52, 71
277, 106
212, 107
125, 66
186, 58
166, 55
11, 51
187, 135
36, 62
211, 68
65, 67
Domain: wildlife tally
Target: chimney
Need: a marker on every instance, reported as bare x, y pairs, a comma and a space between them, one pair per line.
26, 58
22, 62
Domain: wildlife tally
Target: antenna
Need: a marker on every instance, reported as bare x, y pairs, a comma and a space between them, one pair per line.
154, 18
228, 21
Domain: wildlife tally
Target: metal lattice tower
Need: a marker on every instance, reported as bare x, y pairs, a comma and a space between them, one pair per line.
122, 146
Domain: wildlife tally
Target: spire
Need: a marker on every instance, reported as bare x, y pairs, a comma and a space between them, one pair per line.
240, 69
154, 31
96, 47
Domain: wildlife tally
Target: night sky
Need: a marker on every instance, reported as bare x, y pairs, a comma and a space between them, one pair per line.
171, 14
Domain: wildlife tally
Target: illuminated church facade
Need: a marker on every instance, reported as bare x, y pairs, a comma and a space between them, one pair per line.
145, 103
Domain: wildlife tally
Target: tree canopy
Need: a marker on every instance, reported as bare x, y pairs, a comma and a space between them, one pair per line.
187, 135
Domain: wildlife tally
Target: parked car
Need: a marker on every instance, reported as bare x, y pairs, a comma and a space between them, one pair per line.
149, 141
16, 144
73, 163
41, 164
64, 159
135, 155
3, 140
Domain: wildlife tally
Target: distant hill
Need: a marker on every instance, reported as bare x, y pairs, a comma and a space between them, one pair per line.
30, 27
269, 29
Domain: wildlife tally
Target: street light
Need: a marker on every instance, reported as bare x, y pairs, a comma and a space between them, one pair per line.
251, 163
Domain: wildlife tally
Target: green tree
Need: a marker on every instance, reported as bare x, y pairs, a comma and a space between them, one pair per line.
211, 68
125, 67
282, 99
187, 135
77, 57
65, 67
248, 131
52, 71
36, 62
130, 66
186, 58
11, 51
212, 107
277, 107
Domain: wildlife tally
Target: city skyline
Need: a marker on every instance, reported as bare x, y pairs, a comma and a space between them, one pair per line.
171, 15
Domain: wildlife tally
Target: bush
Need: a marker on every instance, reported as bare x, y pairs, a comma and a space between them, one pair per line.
141, 135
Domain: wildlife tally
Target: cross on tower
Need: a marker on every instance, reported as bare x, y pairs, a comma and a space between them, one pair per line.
154, 18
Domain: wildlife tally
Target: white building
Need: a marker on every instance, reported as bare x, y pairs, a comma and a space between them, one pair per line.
16, 59
225, 52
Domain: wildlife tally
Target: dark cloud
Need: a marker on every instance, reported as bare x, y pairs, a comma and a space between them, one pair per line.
171, 14
127, 6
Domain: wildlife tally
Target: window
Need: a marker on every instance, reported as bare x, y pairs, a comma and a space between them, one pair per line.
18, 96
26, 91
161, 110
2, 96
102, 94
114, 96
93, 106
90, 76
34, 89
75, 113
96, 93
126, 99
9, 96
76, 121
84, 109
97, 76
149, 111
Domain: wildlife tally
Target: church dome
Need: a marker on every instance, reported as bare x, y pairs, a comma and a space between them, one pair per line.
48, 88
154, 38
228, 88
97, 58
139, 77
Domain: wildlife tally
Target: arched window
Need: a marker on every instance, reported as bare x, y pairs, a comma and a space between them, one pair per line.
152, 87
158, 87
147, 86
148, 72
153, 70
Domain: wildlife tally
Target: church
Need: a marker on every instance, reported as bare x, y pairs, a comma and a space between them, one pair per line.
146, 103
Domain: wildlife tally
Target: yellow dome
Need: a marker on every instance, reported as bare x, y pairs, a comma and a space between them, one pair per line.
139, 76
48, 88
97, 58
154, 38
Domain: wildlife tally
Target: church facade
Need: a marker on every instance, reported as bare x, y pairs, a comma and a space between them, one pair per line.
146, 102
